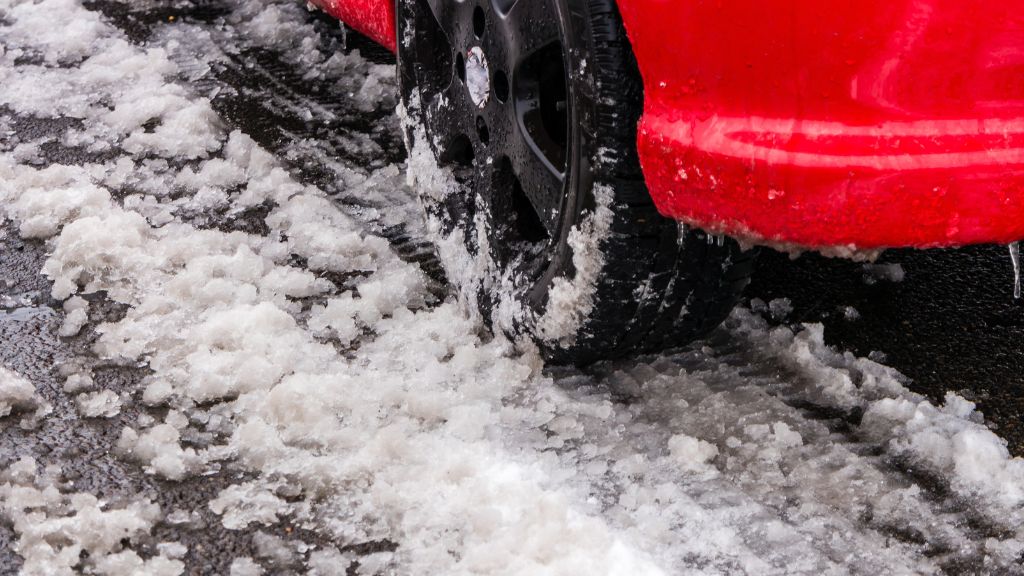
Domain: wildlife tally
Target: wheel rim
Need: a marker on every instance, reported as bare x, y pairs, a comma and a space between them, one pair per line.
493, 91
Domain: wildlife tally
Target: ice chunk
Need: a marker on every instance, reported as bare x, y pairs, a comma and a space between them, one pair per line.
78, 382
16, 393
101, 404
780, 308
245, 566
248, 503
878, 272
160, 449
691, 454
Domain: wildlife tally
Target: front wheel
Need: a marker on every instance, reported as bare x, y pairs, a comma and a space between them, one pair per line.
521, 121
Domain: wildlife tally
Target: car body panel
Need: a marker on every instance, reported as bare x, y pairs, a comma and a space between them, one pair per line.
848, 124
372, 18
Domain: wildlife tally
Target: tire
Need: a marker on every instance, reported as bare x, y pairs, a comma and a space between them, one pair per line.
575, 260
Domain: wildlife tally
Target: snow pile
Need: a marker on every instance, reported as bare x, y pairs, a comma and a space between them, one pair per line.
149, 114
938, 436
60, 533
74, 39
946, 441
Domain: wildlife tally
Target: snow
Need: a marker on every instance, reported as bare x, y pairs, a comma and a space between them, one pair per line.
159, 449
245, 566
101, 404
248, 503
71, 41
692, 454
571, 300
16, 393
61, 533
973, 458
478, 76
275, 550
76, 315
364, 411
884, 272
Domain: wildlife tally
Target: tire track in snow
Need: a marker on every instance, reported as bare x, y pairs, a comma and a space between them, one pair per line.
813, 480
324, 139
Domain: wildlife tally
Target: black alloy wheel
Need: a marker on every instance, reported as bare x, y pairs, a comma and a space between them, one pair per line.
531, 106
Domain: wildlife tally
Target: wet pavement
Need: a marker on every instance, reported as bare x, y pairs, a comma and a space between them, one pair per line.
29, 324
950, 324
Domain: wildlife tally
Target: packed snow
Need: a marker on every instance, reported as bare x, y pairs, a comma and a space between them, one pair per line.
314, 360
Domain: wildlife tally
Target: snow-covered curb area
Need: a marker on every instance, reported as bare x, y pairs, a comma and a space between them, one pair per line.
363, 414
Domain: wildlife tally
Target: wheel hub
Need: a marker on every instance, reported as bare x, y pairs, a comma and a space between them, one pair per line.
492, 79
478, 77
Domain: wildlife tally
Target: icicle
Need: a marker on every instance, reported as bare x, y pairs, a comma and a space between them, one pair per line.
684, 232
1015, 256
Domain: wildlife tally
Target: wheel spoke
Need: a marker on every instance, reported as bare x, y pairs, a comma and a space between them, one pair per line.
451, 122
519, 124
454, 17
542, 183
530, 25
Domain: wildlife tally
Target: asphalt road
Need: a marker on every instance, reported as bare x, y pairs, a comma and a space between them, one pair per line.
29, 321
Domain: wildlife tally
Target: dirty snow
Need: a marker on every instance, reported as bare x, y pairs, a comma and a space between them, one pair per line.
314, 359
61, 532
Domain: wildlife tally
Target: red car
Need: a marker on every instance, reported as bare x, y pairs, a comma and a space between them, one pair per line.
846, 126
